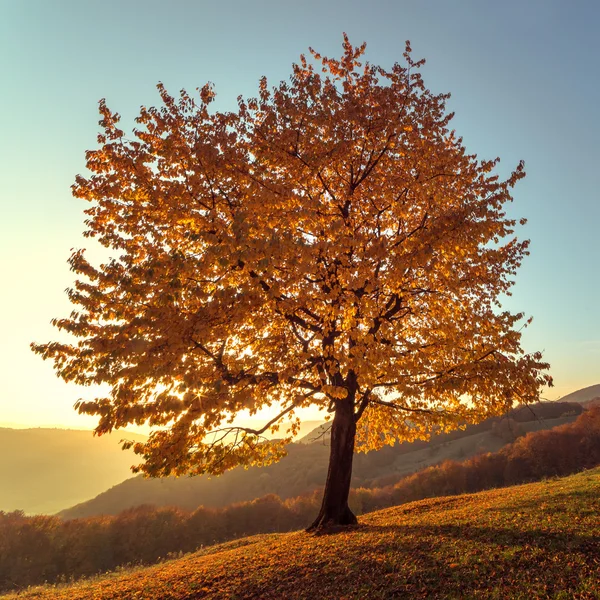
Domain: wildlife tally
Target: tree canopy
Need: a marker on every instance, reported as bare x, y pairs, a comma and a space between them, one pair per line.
331, 243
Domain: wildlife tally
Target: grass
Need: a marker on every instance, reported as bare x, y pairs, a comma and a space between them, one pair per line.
539, 540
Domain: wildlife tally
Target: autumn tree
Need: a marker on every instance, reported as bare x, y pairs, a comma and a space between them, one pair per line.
329, 243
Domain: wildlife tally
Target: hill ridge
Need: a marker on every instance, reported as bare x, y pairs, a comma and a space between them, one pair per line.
582, 395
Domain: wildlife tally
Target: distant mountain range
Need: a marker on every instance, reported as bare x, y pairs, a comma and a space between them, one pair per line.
45, 470
586, 395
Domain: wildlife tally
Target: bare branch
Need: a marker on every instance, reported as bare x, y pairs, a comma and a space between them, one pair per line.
363, 405
402, 408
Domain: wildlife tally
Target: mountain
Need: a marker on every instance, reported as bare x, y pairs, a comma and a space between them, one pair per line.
539, 540
318, 434
584, 395
46, 470
304, 469
306, 427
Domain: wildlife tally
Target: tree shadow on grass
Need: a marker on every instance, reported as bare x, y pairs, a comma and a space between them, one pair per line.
493, 559
559, 504
438, 561
497, 535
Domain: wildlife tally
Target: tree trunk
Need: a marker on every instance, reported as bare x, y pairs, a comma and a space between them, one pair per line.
334, 509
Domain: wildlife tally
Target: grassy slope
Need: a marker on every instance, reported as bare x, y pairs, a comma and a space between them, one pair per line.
531, 541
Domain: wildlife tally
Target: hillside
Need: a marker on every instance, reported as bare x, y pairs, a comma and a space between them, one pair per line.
45, 470
304, 469
539, 540
584, 395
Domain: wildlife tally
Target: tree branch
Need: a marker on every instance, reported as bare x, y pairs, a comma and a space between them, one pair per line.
405, 408
363, 405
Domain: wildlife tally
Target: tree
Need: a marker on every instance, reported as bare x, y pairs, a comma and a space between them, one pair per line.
328, 243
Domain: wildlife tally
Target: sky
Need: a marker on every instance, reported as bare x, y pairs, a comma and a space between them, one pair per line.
525, 84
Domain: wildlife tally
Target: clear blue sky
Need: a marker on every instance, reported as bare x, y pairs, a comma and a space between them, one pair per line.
525, 84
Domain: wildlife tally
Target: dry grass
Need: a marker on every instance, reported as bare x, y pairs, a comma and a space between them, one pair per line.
539, 540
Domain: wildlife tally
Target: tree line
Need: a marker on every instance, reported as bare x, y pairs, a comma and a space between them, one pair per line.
38, 549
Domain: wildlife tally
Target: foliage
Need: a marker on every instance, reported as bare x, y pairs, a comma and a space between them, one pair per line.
534, 541
37, 549
331, 242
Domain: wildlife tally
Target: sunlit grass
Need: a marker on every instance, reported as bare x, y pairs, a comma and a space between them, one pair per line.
538, 540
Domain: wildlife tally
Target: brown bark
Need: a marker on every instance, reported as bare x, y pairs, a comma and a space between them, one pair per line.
334, 509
